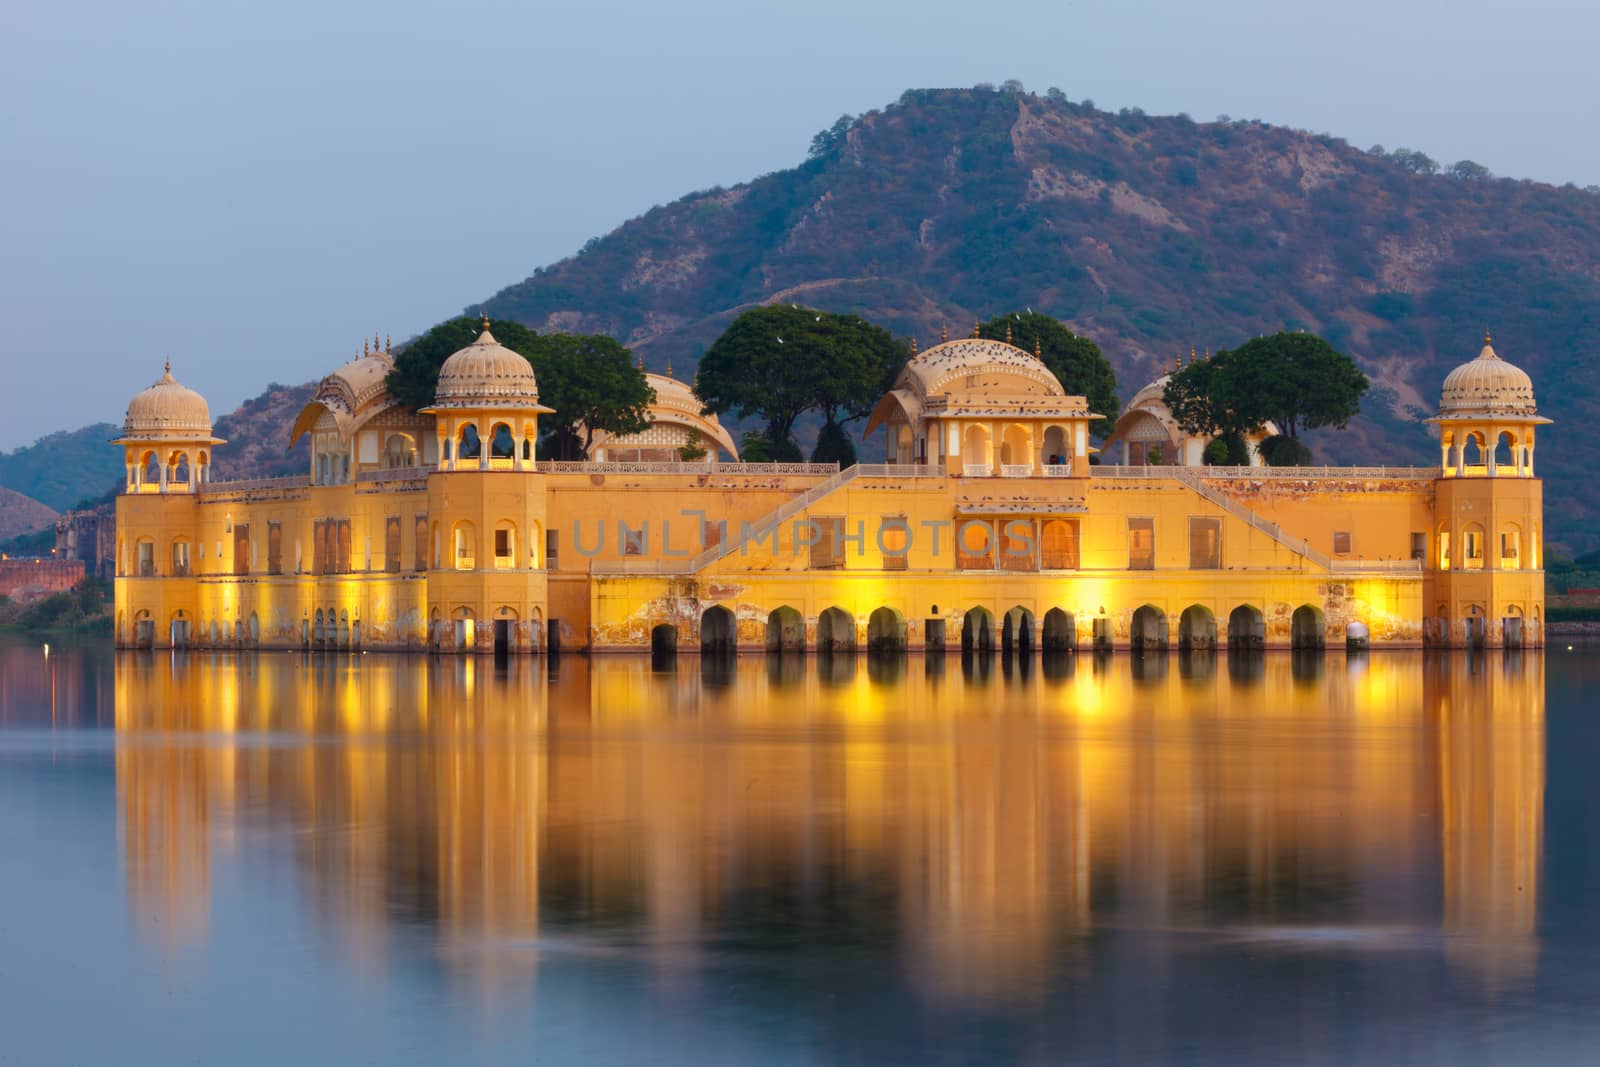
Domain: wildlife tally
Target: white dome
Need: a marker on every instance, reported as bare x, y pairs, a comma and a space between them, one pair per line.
486, 374
167, 411
1487, 385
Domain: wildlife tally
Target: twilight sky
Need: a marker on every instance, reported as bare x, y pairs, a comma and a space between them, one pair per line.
252, 188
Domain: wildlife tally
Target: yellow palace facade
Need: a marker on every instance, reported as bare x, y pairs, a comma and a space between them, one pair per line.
988, 527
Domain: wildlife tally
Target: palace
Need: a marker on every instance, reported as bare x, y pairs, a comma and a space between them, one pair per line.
988, 527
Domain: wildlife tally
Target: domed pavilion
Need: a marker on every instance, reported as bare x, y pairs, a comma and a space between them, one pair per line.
983, 408
166, 438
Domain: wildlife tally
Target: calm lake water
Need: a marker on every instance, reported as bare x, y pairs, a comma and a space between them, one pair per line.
275, 858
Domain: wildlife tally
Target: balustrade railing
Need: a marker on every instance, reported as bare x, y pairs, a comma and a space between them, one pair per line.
564, 466
287, 481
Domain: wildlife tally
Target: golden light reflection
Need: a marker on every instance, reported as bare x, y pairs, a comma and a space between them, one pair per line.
996, 813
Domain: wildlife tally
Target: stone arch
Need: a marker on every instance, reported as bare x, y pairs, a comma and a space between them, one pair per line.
1197, 628
144, 629
463, 545
1308, 628
399, 451
502, 442
663, 639
1473, 549
150, 469
1148, 631
1060, 631
463, 632
975, 445
181, 550
886, 631
505, 545
1018, 630
719, 630
1475, 626
1509, 548
1442, 546
178, 629
254, 630
1058, 545
1055, 449
1016, 444
1505, 451
977, 630
786, 630
180, 471
1247, 628
836, 631
1473, 450
468, 446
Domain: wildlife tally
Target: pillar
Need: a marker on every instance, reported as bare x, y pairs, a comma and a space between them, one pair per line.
994, 449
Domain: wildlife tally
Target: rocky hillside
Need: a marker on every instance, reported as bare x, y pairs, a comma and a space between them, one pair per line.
21, 515
1148, 234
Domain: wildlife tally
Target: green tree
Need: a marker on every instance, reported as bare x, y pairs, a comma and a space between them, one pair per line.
593, 384
780, 362
590, 380
1295, 380
754, 447
1076, 361
834, 446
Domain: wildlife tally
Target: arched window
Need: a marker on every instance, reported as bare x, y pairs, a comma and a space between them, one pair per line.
470, 447
399, 451
1511, 547
1472, 451
505, 545
463, 546
1472, 548
501, 444
1444, 548
1505, 451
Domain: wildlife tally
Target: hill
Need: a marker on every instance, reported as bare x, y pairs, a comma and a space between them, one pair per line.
22, 515
1148, 234
68, 468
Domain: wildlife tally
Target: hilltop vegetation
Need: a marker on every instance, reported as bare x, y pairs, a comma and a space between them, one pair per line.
1144, 234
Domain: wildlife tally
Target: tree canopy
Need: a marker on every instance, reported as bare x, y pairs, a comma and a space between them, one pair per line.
1077, 362
780, 362
589, 379
1295, 380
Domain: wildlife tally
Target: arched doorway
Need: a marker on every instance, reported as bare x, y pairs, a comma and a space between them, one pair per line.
1018, 630
1475, 627
1247, 629
836, 631
1197, 628
886, 631
1060, 632
977, 631
1148, 631
786, 630
663, 639
718, 630
1307, 628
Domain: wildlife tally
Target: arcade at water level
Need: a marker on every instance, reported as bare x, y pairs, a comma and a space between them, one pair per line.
989, 526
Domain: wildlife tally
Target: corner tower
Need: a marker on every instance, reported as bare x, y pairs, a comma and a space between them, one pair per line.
486, 503
1487, 555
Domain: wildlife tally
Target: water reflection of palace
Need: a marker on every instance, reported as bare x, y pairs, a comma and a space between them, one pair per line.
994, 819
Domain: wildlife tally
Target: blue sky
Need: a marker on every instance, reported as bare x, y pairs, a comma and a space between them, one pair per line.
251, 189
